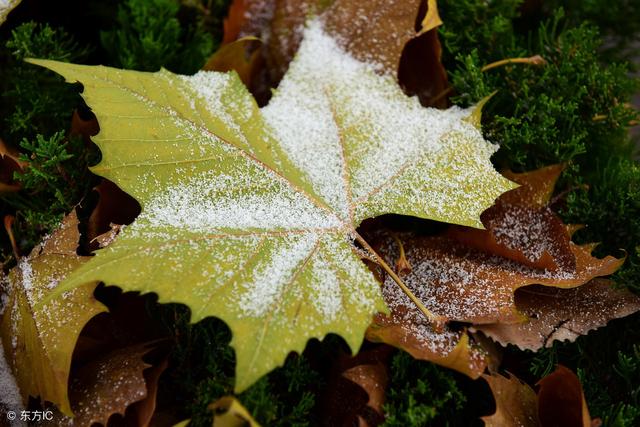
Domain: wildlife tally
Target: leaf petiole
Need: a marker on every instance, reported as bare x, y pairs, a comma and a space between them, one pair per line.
533, 60
436, 321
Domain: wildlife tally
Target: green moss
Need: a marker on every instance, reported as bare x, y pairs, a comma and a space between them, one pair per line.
202, 371
421, 394
37, 106
617, 20
573, 108
148, 35
610, 208
34, 100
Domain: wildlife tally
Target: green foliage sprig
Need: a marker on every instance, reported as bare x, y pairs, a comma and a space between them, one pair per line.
148, 35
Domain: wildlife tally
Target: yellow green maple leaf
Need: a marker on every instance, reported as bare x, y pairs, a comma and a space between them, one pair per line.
250, 214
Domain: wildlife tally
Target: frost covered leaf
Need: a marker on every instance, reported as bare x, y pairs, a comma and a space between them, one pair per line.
39, 339
562, 314
7, 6
107, 386
521, 227
249, 215
516, 403
465, 284
406, 328
382, 32
471, 275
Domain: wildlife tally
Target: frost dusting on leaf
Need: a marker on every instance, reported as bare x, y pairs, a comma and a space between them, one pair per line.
41, 337
250, 215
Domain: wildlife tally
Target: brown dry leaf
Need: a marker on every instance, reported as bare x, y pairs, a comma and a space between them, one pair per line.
406, 329
374, 31
84, 128
9, 165
516, 403
108, 386
562, 314
561, 400
471, 275
464, 284
114, 207
229, 412
247, 18
356, 388
144, 410
39, 339
241, 55
520, 226
398, 35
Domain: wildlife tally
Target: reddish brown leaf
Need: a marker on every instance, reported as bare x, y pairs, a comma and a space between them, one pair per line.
400, 36
143, 411
463, 284
562, 314
516, 403
521, 227
9, 165
356, 388
407, 329
114, 207
85, 128
107, 386
242, 56
561, 401
247, 18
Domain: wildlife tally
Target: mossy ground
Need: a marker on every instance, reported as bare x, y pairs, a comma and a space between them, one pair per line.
573, 109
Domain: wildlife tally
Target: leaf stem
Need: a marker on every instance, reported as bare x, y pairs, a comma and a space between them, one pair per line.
435, 320
533, 60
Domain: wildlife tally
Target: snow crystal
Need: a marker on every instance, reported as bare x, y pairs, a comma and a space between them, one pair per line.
269, 281
208, 203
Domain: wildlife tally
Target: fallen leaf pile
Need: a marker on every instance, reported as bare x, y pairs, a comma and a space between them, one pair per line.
520, 281
247, 205
250, 214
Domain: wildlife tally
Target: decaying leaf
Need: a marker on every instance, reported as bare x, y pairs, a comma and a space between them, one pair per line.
241, 55
356, 388
395, 35
407, 329
471, 275
521, 227
40, 338
250, 215
9, 165
468, 285
562, 314
108, 386
559, 401
516, 403
229, 412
